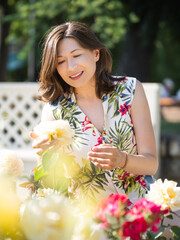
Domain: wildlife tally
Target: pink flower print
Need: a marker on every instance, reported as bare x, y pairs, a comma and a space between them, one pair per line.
124, 80
85, 128
124, 109
94, 133
100, 140
86, 121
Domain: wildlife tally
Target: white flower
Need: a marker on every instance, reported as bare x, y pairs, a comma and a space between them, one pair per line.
59, 130
44, 192
86, 228
47, 218
9, 205
166, 194
10, 163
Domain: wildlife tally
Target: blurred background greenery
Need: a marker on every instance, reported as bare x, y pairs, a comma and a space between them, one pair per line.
143, 36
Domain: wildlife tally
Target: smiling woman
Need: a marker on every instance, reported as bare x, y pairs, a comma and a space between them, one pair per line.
76, 65
113, 137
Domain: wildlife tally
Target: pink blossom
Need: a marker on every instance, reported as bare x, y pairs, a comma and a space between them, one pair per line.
110, 206
100, 140
86, 121
134, 228
124, 109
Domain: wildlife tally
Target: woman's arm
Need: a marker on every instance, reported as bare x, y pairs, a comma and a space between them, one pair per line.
146, 162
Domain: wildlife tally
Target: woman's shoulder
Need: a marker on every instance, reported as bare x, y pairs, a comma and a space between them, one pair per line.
124, 83
124, 88
63, 99
122, 79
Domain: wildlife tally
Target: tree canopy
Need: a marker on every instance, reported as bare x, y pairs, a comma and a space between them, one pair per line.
142, 35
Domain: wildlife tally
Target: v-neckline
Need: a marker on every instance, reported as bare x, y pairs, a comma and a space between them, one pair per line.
104, 105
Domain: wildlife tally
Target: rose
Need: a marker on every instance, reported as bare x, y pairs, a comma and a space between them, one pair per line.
142, 216
166, 194
113, 206
10, 163
135, 228
47, 218
59, 130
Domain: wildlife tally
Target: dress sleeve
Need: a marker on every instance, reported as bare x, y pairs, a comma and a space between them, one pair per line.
130, 88
126, 89
55, 109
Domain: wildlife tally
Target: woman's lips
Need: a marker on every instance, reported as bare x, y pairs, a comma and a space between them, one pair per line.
76, 75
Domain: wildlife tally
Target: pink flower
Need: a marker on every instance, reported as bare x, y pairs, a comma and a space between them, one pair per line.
150, 212
100, 140
110, 206
143, 216
124, 109
85, 128
86, 121
134, 228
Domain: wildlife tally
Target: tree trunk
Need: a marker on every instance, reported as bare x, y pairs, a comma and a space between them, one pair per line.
4, 45
139, 44
136, 58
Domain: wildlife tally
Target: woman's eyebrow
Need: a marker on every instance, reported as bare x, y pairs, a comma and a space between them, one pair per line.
71, 51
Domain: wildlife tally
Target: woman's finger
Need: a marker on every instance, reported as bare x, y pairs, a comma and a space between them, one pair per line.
103, 155
33, 135
104, 166
46, 147
100, 160
104, 148
40, 142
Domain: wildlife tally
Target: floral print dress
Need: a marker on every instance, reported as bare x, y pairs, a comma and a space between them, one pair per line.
118, 131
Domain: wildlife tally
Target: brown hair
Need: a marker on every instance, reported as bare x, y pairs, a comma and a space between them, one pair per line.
51, 84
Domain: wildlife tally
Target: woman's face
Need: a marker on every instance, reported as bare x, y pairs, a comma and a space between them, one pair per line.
75, 64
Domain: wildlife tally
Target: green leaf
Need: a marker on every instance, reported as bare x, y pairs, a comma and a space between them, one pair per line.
39, 173
170, 216
49, 159
176, 232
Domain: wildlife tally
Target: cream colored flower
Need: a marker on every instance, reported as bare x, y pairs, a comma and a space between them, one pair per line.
166, 194
9, 205
59, 130
10, 163
44, 192
47, 218
86, 228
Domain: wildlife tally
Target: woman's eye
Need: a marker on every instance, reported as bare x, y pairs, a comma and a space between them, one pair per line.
60, 62
75, 56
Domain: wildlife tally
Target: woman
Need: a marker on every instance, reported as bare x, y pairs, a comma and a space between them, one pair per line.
110, 115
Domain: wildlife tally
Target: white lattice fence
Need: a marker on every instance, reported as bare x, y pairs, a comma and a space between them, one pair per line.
20, 111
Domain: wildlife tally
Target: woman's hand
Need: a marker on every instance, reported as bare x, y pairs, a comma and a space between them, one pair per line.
107, 157
41, 144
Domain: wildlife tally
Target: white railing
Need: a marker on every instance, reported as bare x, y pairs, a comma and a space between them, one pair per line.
20, 111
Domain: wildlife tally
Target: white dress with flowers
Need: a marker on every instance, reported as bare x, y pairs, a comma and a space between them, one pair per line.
118, 131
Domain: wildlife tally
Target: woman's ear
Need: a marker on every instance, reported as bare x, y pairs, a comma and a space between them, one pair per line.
97, 55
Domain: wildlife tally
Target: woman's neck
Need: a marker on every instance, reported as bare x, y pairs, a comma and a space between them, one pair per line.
85, 93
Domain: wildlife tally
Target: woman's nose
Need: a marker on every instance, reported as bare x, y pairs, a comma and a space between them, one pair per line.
71, 64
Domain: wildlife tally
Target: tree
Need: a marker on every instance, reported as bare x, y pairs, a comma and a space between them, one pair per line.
5, 9
129, 28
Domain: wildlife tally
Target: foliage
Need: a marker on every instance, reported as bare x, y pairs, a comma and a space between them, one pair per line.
109, 19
